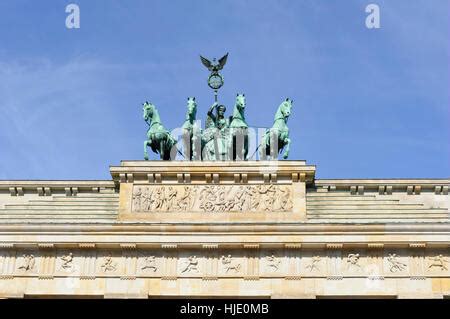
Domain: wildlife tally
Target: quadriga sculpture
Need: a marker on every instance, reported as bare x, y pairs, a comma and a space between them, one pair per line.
224, 138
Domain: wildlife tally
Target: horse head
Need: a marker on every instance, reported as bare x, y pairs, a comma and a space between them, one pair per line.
284, 110
191, 108
148, 109
240, 102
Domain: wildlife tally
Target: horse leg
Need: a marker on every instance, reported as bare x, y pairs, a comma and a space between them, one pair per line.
162, 151
286, 150
196, 146
274, 147
263, 147
146, 144
239, 144
245, 147
169, 148
233, 151
172, 149
190, 139
187, 144
261, 151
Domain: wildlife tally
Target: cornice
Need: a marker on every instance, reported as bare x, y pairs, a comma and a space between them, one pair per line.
212, 172
228, 228
385, 186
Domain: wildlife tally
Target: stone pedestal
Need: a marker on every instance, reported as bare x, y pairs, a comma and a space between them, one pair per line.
211, 192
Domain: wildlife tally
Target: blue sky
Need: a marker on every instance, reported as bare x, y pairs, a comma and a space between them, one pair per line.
368, 103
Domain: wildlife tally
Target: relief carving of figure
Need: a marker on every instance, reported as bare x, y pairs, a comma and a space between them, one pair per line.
248, 198
230, 265
150, 263
170, 199
267, 197
273, 262
255, 198
186, 200
146, 203
283, 196
108, 264
395, 265
28, 262
353, 261
191, 265
314, 263
137, 199
157, 200
243, 198
438, 261
211, 198
67, 261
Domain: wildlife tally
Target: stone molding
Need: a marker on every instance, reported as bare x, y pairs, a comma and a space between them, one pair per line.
47, 188
385, 186
213, 172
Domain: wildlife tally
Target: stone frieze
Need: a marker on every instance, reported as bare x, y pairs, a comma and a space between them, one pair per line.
212, 198
220, 263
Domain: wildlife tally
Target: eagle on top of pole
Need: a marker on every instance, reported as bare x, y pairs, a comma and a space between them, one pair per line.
215, 79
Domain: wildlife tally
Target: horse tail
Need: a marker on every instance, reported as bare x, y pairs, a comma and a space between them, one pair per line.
263, 143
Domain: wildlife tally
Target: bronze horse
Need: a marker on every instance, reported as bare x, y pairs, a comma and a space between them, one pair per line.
158, 138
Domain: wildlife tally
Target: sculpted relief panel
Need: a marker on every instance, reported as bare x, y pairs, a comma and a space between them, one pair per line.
221, 263
212, 198
27, 263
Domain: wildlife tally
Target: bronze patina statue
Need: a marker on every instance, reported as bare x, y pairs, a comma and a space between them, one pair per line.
158, 138
224, 138
277, 138
189, 129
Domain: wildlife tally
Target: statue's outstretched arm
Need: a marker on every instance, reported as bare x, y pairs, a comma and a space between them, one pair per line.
213, 106
210, 111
